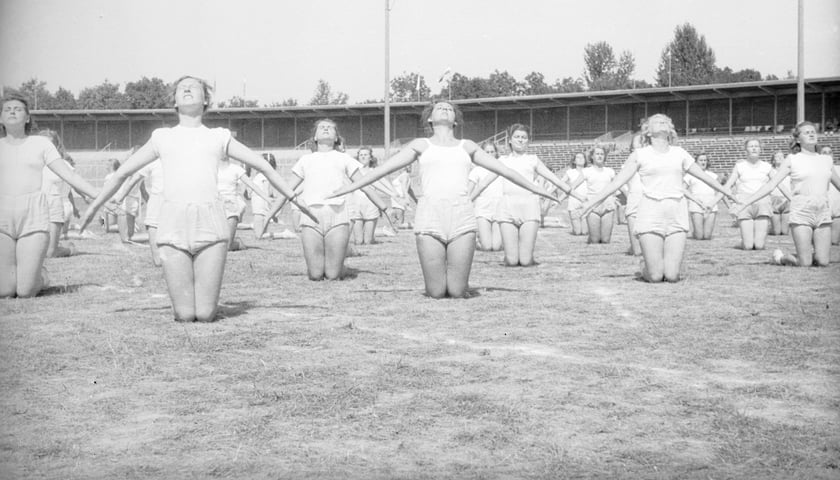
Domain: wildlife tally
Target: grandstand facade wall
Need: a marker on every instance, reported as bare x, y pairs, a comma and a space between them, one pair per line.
730, 109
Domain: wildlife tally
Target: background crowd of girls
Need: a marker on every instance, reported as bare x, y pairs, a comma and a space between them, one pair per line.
472, 197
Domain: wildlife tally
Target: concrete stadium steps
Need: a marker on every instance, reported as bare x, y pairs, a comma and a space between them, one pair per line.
723, 151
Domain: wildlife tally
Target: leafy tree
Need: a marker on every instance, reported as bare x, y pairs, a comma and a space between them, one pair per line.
726, 75
325, 96
603, 72
148, 93
569, 85
36, 93
288, 102
687, 59
461, 86
503, 84
64, 100
103, 97
498, 84
535, 84
409, 87
238, 102
599, 63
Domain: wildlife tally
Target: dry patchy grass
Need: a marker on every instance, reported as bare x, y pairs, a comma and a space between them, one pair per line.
571, 369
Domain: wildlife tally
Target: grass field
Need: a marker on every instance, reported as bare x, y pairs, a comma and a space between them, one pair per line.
571, 369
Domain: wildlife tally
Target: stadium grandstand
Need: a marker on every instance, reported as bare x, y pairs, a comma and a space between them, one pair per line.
713, 118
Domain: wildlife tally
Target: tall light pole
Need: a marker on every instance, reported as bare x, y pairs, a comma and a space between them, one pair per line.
387, 78
800, 60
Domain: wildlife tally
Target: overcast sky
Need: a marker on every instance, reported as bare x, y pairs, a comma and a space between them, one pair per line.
276, 49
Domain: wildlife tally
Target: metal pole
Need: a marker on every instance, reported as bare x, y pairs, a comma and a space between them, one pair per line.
800, 54
387, 78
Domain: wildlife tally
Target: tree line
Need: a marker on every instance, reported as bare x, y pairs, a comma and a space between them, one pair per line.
686, 60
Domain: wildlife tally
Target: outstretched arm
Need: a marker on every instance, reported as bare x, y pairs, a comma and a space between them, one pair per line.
278, 204
482, 185
142, 157
483, 159
631, 166
247, 156
733, 177
546, 173
781, 173
698, 173
371, 193
127, 187
63, 170
254, 188
401, 160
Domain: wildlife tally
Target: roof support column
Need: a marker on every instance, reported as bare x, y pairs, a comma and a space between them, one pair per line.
730, 116
568, 118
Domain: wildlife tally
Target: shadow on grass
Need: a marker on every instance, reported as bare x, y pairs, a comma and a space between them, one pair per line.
301, 306
62, 289
234, 309
479, 290
143, 309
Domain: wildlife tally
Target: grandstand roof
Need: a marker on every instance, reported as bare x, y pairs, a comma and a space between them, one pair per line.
652, 95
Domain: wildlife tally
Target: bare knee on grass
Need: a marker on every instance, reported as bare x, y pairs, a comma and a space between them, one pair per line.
30, 251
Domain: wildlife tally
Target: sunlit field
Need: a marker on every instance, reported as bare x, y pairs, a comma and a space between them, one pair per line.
570, 369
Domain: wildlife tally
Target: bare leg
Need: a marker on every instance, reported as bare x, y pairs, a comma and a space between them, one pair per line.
8, 266
485, 233
497, 237
697, 225
55, 250
432, 254
527, 242
125, 226
607, 222
459, 257
785, 223
358, 231
621, 218
259, 221
709, 226
153, 246
593, 222
510, 243
370, 230
776, 224
653, 251
314, 252
635, 247
180, 281
747, 227
760, 238
30, 252
209, 269
803, 238
233, 242
822, 245
674, 248
575, 222
835, 231
335, 250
